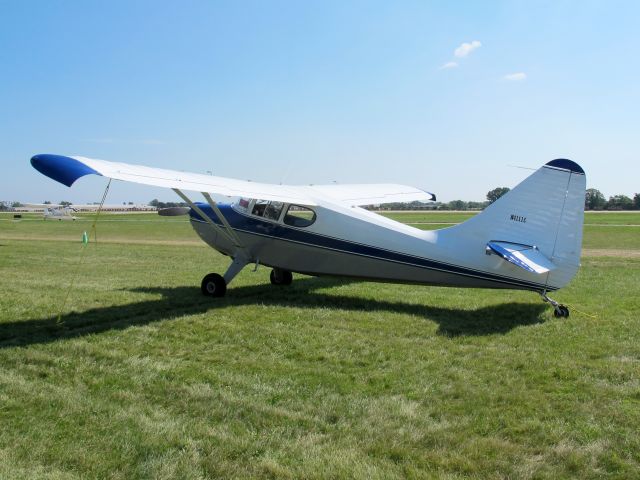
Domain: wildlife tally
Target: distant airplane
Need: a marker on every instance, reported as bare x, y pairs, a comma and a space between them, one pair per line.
529, 239
59, 213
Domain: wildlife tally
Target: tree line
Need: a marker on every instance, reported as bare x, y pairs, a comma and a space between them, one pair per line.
594, 200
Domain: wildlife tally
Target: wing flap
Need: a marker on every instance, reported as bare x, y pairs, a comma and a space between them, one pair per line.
373, 194
527, 257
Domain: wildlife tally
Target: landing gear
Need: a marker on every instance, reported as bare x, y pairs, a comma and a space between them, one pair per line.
559, 310
213, 285
280, 277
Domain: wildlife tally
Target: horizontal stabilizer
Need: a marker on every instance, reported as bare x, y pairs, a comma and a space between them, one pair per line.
527, 257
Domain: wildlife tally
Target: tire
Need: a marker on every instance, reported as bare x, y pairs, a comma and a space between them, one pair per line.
281, 277
213, 285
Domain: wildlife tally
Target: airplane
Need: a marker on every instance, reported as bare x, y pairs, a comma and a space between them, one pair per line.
59, 213
528, 239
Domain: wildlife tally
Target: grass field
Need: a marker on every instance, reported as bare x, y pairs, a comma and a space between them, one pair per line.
142, 377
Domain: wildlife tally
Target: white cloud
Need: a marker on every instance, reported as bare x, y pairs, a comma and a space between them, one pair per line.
466, 48
448, 65
515, 77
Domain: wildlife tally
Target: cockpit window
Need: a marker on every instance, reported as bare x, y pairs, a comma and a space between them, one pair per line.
259, 207
272, 210
298, 216
267, 209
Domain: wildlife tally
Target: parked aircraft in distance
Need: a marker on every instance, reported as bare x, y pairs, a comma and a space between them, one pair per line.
529, 239
59, 213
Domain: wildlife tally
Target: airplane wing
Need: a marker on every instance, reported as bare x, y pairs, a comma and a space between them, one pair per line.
67, 170
373, 194
524, 256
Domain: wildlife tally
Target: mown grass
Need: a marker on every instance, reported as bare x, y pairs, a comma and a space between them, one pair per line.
142, 377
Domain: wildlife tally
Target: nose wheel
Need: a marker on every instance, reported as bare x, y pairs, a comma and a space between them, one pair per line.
213, 285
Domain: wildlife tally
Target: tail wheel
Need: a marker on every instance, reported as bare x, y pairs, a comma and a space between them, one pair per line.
281, 277
561, 311
213, 285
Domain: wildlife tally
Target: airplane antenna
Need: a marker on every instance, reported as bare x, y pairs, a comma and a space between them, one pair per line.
520, 166
286, 172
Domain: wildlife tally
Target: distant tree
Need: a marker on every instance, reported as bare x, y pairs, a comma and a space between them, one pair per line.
477, 205
636, 201
16, 205
47, 202
496, 193
594, 200
130, 203
457, 205
154, 203
620, 202
64, 203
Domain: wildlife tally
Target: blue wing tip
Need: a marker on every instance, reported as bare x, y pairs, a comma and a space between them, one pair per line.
65, 170
566, 164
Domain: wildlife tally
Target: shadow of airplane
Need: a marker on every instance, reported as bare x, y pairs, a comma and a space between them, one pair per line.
187, 300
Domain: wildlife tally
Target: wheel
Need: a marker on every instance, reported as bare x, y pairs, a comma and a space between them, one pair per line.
280, 277
213, 285
561, 311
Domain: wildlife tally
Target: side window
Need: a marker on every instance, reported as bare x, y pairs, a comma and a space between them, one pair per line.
259, 207
272, 210
267, 209
298, 216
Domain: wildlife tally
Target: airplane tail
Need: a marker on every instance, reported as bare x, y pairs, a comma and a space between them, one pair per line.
537, 226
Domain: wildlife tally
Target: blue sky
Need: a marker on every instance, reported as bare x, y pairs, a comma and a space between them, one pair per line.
315, 92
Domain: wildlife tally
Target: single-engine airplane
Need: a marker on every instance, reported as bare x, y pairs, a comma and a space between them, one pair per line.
529, 239
59, 213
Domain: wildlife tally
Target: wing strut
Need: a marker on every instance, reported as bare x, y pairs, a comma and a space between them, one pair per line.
214, 207
240, 256
227, 231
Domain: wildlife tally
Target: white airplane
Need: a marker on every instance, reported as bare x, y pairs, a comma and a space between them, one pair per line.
529, 239
59, 213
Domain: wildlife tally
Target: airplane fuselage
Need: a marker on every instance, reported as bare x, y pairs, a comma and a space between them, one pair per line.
361, 244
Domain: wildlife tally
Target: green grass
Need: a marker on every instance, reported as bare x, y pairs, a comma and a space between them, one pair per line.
111, 227
144, 378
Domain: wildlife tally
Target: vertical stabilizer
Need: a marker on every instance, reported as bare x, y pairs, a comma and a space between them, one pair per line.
545, 211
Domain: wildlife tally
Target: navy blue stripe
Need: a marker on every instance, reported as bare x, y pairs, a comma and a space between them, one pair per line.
566, 164
255, 226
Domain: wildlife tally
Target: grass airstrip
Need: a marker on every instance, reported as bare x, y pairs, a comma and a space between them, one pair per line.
142, 377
